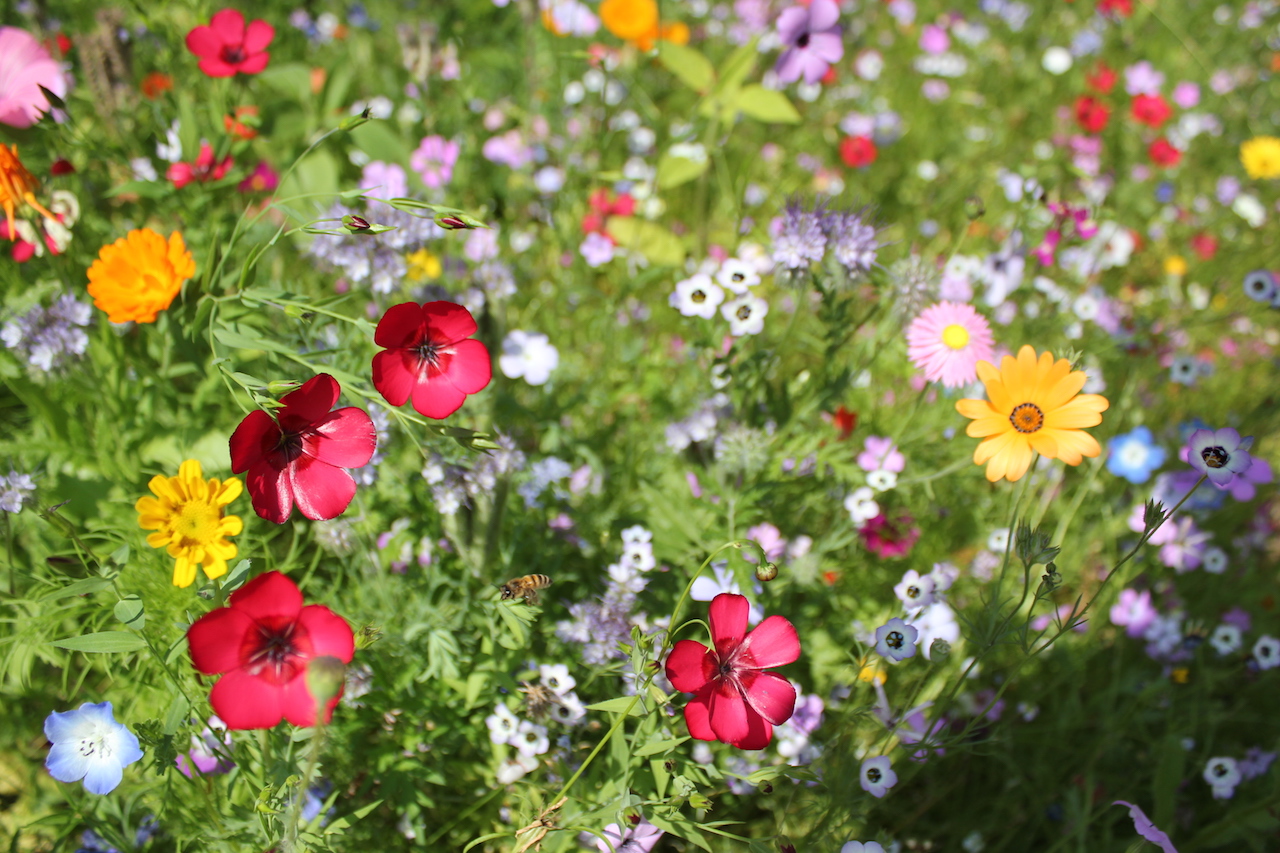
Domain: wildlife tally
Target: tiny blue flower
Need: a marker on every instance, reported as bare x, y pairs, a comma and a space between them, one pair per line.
89, 744
1135, 455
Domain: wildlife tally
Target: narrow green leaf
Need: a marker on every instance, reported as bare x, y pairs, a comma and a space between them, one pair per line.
655, 747
766, 105
620, 705
103, 642
674, 171
85, 586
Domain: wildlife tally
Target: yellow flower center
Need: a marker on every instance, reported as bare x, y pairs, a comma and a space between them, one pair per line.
1027, 417
955, 336
196, 523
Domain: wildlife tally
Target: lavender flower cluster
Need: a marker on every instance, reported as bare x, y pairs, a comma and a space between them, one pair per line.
601, 625
47, 338
454, 486
15, 490
801, 237
376, 260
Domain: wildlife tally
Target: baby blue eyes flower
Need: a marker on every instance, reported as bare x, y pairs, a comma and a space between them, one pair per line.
89, 744
1135, 455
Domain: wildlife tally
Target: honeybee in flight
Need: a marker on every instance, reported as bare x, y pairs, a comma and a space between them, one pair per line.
526, 587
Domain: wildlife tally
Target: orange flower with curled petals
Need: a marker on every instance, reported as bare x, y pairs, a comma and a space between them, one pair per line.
137, 276
1034, 406
629, 19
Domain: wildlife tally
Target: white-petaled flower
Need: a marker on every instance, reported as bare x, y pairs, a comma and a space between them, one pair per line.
697, 296
915, 591
556, 678
1226, 639
943, 575
998, 541
935, 622
877, 776
636, 533
502, 724
568, 709
1214, 560
626, 578
745, 314
896, 640
861, 505
862, 847
1219, 454
514, 769
639, 556
738, 275
529, 356
1267, 652
882, 480
89, 744
530, 739
1223, 774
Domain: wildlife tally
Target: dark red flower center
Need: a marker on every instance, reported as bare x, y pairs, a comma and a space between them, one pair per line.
803, 41
277, 649
289, 445
428, 353
233, 54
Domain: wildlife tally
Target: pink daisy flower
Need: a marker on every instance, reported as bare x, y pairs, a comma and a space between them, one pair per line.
947, 341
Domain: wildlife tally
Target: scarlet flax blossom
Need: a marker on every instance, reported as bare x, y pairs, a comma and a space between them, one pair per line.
227, 47
735, 700
206, 168
299, 456
262, 644
429, 357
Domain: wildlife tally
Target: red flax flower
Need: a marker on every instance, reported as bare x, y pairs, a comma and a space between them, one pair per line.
206, 168
1150, 110
262, 643
735, 700
1163, 154
429, 356
299, 456
1091, 114
858, 151
227, 47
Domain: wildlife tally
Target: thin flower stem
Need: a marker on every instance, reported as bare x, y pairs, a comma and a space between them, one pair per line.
289, 843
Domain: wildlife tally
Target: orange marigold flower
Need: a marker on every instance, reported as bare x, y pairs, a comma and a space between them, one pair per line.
1034, 404
629, 19
17, 187
155, 84
137, 276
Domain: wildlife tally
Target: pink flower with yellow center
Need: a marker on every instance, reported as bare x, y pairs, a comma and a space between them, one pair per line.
947, 341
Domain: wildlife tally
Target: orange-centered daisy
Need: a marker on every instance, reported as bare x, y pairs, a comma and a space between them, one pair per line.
1034, 405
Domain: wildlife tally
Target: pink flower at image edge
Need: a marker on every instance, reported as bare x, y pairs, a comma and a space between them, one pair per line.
25, 66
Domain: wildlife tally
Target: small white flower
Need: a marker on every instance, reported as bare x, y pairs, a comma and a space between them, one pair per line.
639, 556
862, 847
896, 640
1214, 560
1057, 60
528, 355
556, 678
861, 505
530, 739
738, 275
1226, 639
745, 314
636, 533
1267, 652
697, 296
998, 541
514, 769
568, 709
882, 480
502, 724
915, 591
877, 777
1223, 774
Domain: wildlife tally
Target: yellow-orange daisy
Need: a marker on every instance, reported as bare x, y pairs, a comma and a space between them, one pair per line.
629, 19
136, 277
1034, 406
189, 516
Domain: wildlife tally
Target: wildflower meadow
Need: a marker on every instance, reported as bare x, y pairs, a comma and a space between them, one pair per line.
637, 426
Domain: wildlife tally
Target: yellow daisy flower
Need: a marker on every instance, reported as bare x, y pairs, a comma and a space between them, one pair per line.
1260, 157
1034, 406
188, 516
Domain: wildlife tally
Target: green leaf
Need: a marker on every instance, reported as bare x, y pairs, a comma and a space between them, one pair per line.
736, 68
654, 241
693, 69
103, 642
130, 611
766, 105
654, 747
674, 171
143, 189
176, 715
85, 586
621, 705
236, 340
1168, 776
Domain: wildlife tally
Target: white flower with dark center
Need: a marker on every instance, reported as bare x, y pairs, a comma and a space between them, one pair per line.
745, 314
877, 777
1223, 774
502, 724
1220, 454
738, 275
1214, 560
529, 356
639, 556
697, 296
530, 739
568, 709
556, 678
882, 480
915, 591
514, 769
896, 640
861, 505
1226, 639
1267, 652
636, 533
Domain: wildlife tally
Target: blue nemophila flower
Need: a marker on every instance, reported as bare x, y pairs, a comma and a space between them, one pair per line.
89, 744
1135, 455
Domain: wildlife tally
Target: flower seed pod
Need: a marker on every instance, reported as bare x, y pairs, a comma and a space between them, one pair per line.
766, 572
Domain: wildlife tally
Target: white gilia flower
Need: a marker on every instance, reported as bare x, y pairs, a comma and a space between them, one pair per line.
556, 678
636, 533
745, 314
1267, 652
882, 481
861, 505
738, 275
1214, 560
529, 356
530, 739
514, 769
697, 296
502, 724
1226, 639
915, 591
1223, 774
877, 777
568, 709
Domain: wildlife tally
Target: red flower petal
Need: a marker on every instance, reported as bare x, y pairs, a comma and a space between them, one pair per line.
297, 703
773, 642
470, 368
244, 701
346, 438
271, 489
697, 715
770, 695
690, 666
257, 36
437, 397
729, 713
214, 640
229, 25
213, 66
320, 490
255, 64
728, 614
311, 401
393, 374
448, 322
759, 733
330, 633
203, 42
400, 327
271, 596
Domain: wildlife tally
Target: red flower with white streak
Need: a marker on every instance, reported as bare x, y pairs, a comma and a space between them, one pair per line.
227, 47
429, 357
735, 700
299, 456
262, 643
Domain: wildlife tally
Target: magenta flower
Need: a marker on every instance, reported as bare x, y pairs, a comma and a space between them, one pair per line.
434, 160
25, 66
947, 341
736, 701
813, 41
299, 456
1220, 454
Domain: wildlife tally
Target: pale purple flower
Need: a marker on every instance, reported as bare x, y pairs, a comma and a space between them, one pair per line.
434, 159
813, 41
881, 454
1142, 78
1183, 552
509, 149
934, 39
596, 250
1186, 94
877, 777
1219, 454
1245, 486
1134, 612
767, 537
1148, 830
1256, 761
896, 640
640, 837
384, 180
